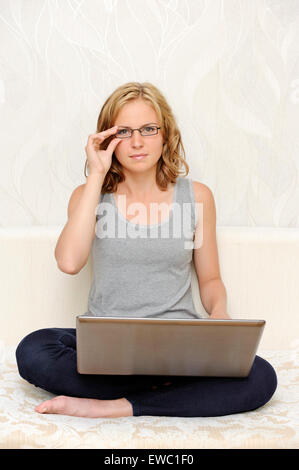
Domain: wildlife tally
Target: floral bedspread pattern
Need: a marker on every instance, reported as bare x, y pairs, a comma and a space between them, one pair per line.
275, 425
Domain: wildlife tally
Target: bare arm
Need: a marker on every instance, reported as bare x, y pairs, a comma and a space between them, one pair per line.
214, 299
211, 288
73, 246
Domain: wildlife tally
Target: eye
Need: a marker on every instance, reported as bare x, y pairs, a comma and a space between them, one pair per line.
149, 128
122, 131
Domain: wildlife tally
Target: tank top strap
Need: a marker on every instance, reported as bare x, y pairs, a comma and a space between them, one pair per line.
185, 194
102, 197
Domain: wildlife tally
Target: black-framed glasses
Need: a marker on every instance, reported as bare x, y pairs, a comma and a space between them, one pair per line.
125, 132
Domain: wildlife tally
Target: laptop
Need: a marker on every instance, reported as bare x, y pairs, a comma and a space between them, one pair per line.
159, 346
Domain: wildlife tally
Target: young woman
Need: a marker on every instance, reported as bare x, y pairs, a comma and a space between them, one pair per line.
136, 154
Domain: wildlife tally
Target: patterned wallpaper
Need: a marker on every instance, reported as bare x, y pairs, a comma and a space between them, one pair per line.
228, 68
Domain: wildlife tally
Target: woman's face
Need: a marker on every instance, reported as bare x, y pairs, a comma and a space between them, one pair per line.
136, 114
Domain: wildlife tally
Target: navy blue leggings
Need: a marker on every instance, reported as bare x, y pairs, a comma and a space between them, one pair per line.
47, 358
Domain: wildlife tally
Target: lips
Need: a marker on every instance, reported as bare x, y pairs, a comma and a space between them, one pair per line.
139, 156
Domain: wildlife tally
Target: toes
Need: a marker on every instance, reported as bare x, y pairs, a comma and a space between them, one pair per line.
42, 408
51, 406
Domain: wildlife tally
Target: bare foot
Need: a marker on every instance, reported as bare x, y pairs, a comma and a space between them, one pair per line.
86, 407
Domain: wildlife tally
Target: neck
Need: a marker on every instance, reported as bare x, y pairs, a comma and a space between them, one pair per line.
140, 185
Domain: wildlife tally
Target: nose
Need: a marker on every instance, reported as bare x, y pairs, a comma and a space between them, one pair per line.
136, 139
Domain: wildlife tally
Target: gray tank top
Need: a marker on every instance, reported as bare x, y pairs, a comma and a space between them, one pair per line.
144, 270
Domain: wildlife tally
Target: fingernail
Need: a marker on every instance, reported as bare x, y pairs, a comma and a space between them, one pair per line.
44, 410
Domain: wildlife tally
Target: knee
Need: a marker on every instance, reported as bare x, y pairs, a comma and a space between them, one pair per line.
265, 380
28, 352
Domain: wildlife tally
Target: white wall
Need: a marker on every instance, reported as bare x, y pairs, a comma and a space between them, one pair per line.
229, 69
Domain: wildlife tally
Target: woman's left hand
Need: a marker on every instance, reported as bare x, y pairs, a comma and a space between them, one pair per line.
220, 316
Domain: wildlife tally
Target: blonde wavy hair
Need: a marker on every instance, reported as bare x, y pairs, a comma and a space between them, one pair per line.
173, 153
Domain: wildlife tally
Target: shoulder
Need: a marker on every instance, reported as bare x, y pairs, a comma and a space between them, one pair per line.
204, 197
79, 188
75, 196
202, 192
77, 192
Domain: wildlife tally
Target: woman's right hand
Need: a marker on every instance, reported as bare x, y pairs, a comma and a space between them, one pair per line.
99, 161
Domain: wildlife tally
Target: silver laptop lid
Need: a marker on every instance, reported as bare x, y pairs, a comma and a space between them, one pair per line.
157, 346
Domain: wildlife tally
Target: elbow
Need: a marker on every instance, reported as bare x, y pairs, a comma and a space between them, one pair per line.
64, 266
67, 268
